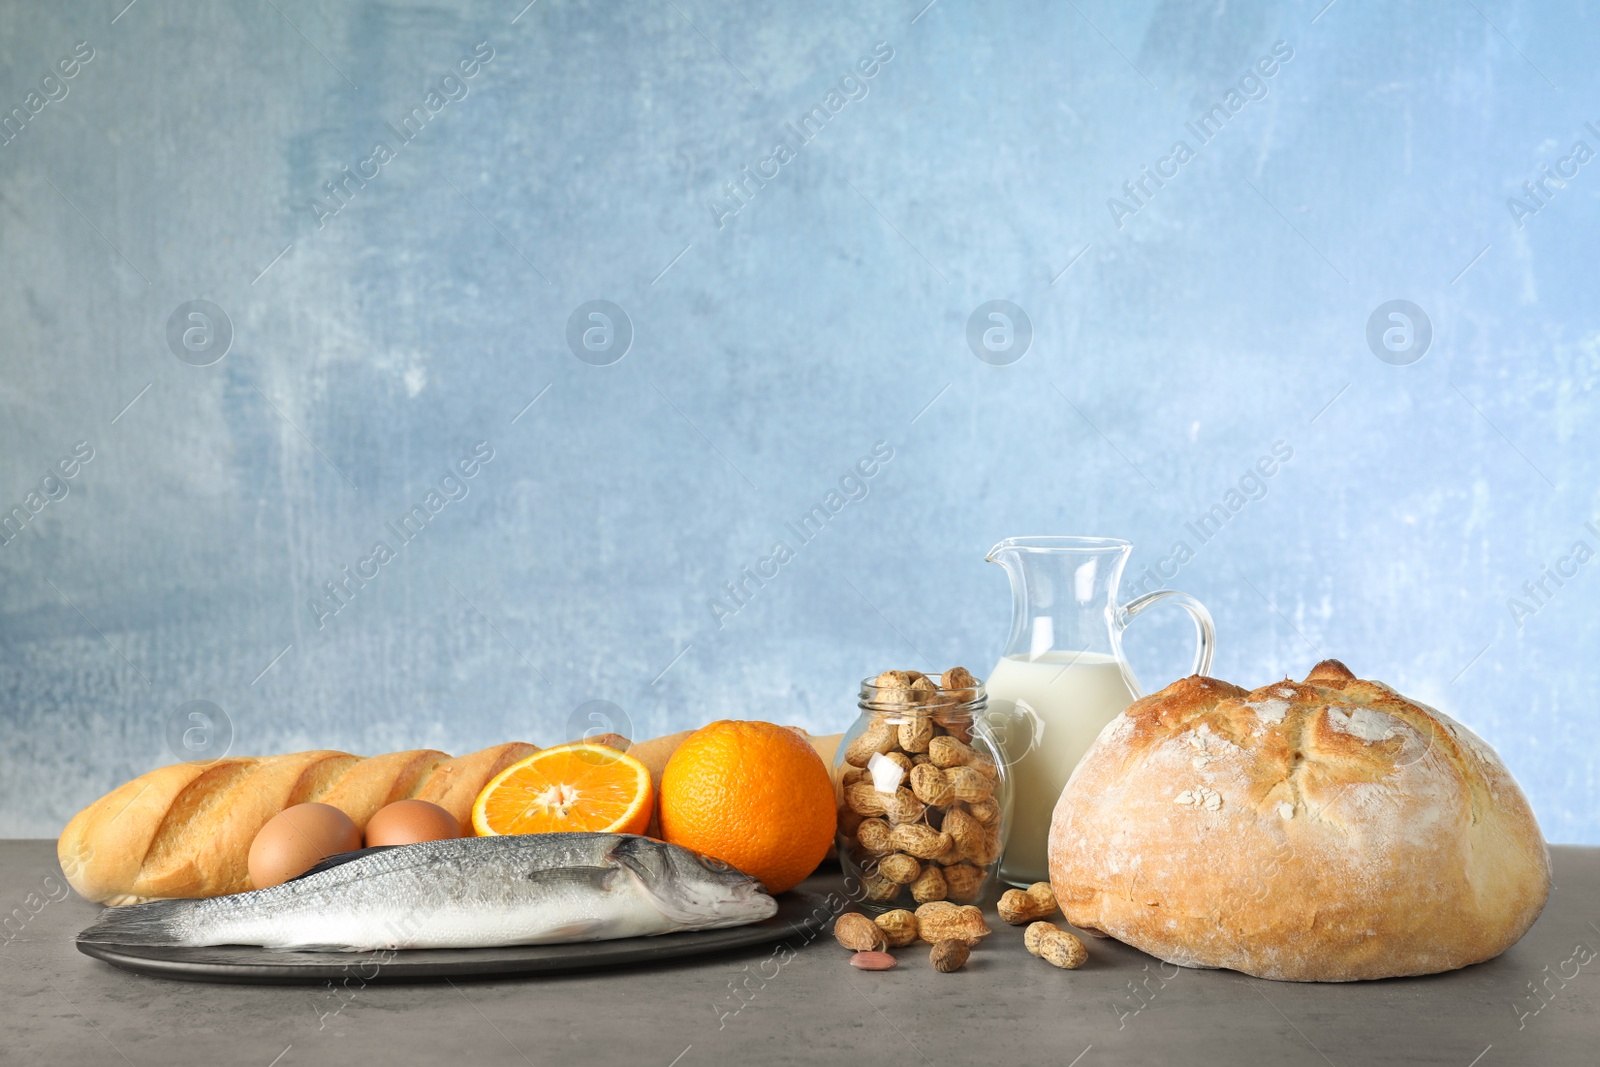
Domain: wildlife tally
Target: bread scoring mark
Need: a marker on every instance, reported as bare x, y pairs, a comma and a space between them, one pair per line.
1364, 799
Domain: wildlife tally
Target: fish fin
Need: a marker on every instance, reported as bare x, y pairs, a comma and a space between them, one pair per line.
338, 859
154, 922
576, 931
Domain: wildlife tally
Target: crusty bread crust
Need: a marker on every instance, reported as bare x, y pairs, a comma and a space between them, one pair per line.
185, 830
1326, 830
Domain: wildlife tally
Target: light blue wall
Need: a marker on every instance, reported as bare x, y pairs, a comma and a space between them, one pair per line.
771, 353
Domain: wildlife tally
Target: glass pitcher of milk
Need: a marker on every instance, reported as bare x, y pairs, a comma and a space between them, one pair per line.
1062, 676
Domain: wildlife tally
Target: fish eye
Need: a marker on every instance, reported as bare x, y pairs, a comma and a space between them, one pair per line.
711, 863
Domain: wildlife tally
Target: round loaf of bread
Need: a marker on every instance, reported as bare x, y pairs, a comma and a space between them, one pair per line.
1320, 831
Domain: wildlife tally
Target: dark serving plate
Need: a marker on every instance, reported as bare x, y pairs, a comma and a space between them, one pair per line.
801, 915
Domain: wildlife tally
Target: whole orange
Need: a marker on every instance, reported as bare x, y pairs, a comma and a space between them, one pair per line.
753, 795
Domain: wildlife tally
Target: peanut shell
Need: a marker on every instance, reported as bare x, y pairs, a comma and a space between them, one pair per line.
858, 933
949, 956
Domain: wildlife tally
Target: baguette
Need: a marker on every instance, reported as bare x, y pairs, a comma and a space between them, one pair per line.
185, 830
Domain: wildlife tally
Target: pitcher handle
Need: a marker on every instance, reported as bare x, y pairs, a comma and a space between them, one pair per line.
1205, 633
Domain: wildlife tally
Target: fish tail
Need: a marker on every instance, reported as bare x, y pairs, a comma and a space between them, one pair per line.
156, 922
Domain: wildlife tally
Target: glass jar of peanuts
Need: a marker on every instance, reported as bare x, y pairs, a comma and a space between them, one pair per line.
922, 792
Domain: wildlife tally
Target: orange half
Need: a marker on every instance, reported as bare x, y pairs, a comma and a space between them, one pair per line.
577, 787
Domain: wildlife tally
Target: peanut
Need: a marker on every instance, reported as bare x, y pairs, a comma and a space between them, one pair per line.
915, 733
875, 837
950, 856
878, 889
849, 822
1055, 946
899, 868
959, 679
893, 688
915, 839
948, 752
874, 961
899, 927
949, 956
865, 800
930, 784
929, 886
878, 737
1021, 906
991, 845
903, 806
923, 690
985, 811
942, 921
965, 831
963, 882
967, 784
858, 933
899, 759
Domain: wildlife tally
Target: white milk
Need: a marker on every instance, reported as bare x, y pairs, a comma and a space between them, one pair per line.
1074, 694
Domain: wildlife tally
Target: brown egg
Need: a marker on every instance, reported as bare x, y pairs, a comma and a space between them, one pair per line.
406, 822
297, 839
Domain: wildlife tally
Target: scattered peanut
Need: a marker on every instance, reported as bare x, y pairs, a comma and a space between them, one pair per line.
874, 961
1021, 906
858, 933
943, 921
900, 927
1054, 945
949, 956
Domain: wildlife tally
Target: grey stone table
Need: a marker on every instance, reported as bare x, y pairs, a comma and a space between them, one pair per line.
1537, 1004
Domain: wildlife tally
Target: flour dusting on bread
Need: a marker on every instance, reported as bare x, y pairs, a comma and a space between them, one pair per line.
1325, 830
